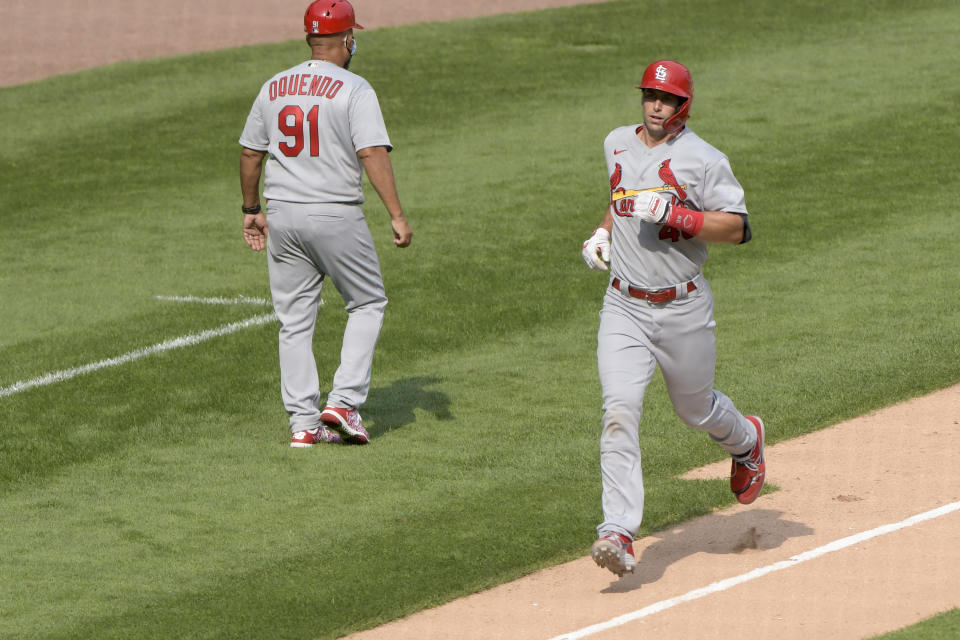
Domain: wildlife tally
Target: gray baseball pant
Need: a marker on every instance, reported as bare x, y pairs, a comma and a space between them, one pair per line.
305, 244
634, 337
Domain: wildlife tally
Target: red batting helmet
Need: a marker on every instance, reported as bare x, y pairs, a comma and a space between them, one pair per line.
672, 77
324, 17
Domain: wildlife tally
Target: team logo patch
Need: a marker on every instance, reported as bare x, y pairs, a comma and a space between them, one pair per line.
666, 174
623, 208
616, 176
661, 73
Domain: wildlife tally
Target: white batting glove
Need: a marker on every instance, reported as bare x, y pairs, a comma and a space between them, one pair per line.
596, 250
651, 207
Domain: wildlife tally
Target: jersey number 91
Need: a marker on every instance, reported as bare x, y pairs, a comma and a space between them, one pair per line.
290, 122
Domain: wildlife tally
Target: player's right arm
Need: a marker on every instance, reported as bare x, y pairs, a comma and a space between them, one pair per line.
607, 222
596, 250
254, 225
254, 141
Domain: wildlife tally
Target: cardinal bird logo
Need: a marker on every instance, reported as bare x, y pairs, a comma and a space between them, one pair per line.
666, 174
616, 176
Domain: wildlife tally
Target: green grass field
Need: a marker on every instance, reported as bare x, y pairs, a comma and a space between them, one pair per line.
945, 626
160, 499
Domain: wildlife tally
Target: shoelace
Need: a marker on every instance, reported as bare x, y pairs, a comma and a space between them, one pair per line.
617, 540
748, 461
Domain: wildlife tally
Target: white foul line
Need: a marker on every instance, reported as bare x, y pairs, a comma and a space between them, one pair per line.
723, 585
236, 300
168, 345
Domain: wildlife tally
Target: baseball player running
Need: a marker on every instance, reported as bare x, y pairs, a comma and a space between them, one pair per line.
320, 127
671, 194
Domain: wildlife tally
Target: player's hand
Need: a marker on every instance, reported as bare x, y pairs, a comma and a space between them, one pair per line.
651, 207
402, 233
596, 250
255, 230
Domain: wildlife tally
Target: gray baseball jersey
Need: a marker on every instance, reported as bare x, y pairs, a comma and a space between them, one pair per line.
691, 172
312, 119
636, 336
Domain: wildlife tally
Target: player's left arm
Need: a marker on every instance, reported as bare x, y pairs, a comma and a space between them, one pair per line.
254, 225
376, 163
723, 217
722, 226
724, 208
708, 226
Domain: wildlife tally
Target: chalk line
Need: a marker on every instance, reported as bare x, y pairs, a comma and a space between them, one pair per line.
723, 585
167, 345
228, 301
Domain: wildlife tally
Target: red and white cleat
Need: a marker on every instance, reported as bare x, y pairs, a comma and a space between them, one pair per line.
614, 551
748, 471
347, 423
310, 437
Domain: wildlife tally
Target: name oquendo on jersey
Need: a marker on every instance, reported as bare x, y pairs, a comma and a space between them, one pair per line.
312, 119
686, 169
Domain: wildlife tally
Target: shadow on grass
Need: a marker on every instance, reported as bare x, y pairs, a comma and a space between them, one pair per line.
759, 529
393, 407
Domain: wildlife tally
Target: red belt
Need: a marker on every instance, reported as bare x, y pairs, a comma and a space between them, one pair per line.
657, 296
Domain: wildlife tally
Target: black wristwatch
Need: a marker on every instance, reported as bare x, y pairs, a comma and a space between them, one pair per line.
250, 210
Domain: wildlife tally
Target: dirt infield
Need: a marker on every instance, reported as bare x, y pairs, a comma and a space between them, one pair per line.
768, 568
106, 31
876, 470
